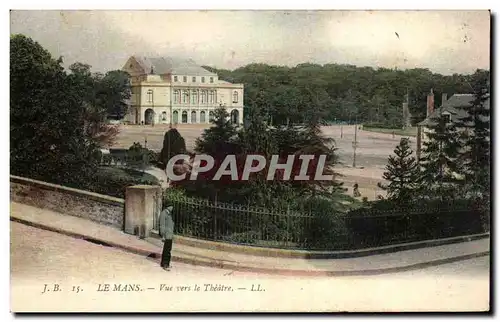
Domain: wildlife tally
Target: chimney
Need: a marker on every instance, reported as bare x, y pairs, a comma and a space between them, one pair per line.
430, 103
444, 97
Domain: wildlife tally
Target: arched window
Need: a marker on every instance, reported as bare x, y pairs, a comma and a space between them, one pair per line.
193, 117
194, 97
202, 117
177, 96
211, 97
164, 116
150, 96
211, 116
184, 117
185, 97
235, 117
176, 117
235, 97
203, 97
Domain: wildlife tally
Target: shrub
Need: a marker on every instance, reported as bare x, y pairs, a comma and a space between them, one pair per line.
109, 181
383, 222
326, 226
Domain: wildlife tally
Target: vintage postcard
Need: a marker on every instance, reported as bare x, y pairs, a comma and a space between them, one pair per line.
250, 161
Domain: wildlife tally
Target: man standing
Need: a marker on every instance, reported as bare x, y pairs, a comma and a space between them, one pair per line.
167, 234
356, 191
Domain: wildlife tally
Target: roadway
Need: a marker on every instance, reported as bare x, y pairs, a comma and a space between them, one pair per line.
40, 257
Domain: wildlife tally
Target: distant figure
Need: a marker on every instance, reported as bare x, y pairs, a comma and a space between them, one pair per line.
167, 235
356, 190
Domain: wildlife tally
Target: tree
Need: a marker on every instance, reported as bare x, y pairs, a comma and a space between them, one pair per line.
95, 96
115, 92
475, 138
440, 164
402, 173
137, 156
218, 139
47, 114
173, 144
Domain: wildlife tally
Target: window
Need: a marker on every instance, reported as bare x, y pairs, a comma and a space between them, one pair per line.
177, 96
185, 97
203, 97
211, 97
203, 79
150, 96
194, 79
184, 79
211, 79
194, 97
447, 118
164, 116
235, 97
176, 79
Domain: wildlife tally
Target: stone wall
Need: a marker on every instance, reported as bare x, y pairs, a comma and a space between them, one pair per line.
99, 208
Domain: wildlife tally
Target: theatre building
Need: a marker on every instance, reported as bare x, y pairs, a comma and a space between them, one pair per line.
166, 89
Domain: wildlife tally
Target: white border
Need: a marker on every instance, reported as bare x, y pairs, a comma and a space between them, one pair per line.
191, 5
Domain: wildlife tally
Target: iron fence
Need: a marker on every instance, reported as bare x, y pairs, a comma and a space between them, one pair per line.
317, 230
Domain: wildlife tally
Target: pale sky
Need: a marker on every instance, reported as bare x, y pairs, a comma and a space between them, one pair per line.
444, 41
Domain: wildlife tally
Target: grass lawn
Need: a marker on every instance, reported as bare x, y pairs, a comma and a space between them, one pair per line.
412, 131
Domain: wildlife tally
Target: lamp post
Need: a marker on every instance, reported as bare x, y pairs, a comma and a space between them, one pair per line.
355, 142
153, 106
144, 154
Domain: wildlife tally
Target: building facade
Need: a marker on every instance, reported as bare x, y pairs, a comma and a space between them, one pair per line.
169, 90
453, 109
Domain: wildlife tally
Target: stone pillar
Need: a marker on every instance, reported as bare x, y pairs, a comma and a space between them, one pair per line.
142, 206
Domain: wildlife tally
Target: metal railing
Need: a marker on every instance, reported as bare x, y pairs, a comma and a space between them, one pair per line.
316, 230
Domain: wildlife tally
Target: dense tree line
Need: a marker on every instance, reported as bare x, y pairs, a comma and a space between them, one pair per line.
342, 92
58, 118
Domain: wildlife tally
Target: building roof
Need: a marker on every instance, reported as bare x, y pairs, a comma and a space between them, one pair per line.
455, 107
172, 65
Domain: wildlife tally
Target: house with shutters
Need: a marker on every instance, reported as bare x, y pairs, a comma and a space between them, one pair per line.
453, 109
